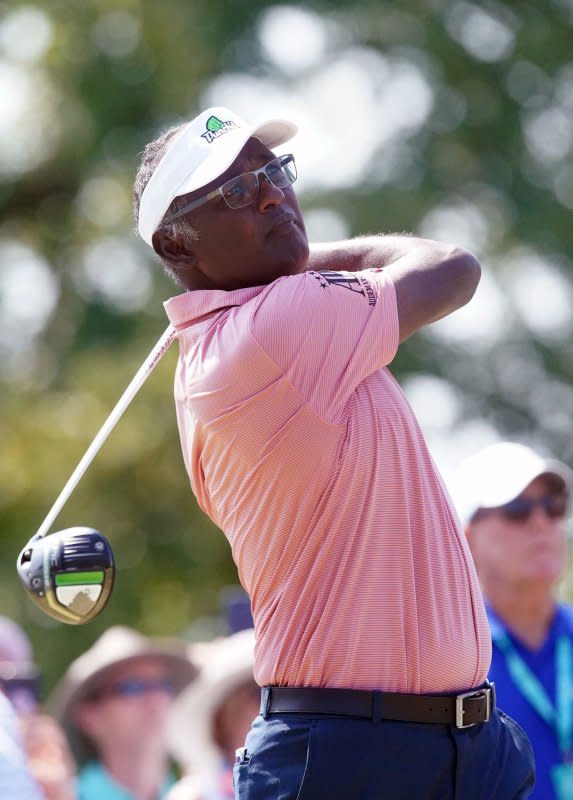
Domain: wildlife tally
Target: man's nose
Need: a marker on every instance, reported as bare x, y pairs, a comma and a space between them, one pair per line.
269, 194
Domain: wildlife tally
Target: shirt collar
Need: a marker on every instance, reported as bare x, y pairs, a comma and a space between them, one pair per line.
188, 307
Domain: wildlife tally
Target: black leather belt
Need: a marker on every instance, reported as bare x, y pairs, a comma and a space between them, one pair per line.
461, 710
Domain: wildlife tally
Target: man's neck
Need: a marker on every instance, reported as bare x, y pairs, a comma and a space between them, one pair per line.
526, 610
141, 775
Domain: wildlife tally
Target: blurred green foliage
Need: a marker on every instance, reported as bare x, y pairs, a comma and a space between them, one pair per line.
109, 94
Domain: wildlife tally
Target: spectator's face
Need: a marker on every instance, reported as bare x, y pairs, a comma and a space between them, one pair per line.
520, 551
130, 711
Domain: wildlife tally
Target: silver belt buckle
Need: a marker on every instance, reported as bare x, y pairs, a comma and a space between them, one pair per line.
486, 691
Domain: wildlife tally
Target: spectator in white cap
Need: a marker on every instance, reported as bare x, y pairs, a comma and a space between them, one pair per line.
211, 718
114, 701
513, 503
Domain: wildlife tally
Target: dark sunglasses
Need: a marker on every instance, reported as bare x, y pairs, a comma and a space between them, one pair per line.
519, 510
135, 687
243, 189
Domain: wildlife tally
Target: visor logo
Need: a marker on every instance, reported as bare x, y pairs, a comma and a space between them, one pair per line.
217, 127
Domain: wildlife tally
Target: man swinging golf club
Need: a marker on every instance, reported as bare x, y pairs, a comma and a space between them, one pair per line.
372, 644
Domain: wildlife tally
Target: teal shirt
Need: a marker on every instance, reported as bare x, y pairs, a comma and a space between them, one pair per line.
94, 783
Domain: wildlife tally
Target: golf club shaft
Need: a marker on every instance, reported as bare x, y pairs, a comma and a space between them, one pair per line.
135, 385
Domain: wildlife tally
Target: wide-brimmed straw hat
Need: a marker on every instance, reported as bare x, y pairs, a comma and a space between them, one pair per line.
119, 645
225, 664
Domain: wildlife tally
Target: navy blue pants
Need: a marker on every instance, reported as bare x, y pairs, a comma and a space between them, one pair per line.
304, 757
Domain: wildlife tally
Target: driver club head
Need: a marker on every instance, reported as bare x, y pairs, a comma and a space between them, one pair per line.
68, 574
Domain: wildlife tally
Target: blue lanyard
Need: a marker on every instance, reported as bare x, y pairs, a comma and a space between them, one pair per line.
560, 716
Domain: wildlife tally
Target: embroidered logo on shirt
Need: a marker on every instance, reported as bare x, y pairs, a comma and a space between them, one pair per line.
355, 283
217, 127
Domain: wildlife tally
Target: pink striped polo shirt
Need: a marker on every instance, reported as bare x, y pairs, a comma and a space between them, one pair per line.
301, 446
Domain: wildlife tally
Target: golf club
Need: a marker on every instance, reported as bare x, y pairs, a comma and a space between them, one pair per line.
69, 574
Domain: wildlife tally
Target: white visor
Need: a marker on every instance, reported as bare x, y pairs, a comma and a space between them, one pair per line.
198, 154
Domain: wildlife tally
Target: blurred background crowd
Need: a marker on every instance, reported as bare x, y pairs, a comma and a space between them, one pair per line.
447, 118
132, 718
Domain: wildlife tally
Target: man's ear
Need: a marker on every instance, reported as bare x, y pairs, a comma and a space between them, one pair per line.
173, 250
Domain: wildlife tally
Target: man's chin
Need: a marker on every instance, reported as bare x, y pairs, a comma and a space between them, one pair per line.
300, 263
545, 572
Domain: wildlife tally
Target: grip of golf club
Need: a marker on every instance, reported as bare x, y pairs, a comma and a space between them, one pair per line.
134, 386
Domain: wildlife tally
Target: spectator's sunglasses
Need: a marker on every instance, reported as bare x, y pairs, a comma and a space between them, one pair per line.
134, 687
242, 190
519, 510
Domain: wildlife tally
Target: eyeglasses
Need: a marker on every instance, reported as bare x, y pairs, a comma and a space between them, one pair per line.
136, 687
243, 189
519, 510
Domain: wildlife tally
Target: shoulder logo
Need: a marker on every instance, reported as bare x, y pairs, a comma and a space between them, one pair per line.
217, 127
355, 283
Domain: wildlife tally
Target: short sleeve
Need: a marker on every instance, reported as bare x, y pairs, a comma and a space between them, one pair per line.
328, 331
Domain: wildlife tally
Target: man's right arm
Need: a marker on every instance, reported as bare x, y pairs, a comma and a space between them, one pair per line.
431, 278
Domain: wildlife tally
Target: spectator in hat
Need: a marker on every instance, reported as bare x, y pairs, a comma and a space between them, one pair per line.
210, 719
513, 504
113, 701
35, 758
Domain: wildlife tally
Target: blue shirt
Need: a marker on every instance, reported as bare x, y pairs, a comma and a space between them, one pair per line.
94, 783
542, 663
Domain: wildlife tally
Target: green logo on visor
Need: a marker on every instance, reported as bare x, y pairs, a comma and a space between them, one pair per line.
214, 124
217, 127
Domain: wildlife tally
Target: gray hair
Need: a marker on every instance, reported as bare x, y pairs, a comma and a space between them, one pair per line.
179, 229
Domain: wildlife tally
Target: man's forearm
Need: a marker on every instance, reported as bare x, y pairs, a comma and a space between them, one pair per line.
362, 252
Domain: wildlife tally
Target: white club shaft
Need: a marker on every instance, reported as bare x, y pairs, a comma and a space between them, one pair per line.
135, 385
